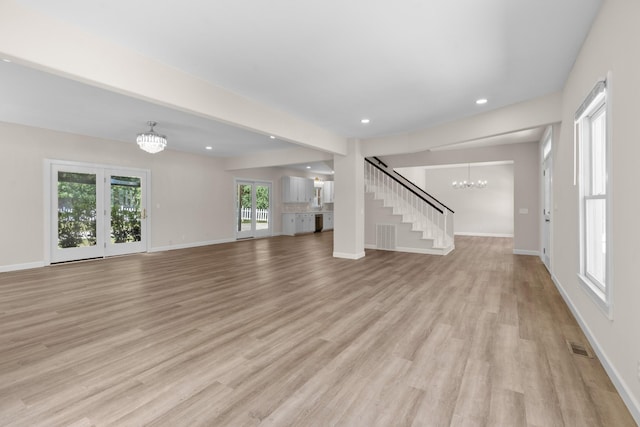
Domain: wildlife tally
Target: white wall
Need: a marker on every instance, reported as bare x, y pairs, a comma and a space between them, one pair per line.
192, 197
487, 211
526, 182
612, 45
189, 194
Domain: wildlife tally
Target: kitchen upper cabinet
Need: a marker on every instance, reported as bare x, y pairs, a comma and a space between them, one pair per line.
327, 192
297, 190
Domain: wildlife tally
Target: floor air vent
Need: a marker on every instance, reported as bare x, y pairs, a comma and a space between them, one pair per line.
386, 236
579, 349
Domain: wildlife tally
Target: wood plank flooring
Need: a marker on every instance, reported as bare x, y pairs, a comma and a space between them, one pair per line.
276, 332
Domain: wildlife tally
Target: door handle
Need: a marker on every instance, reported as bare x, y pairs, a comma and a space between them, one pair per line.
144, 214
547, 220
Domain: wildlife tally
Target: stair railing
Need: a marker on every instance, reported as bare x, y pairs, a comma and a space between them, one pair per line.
410, 183
424, 211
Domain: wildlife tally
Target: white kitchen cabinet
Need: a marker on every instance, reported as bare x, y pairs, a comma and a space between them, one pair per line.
300, 223
327, 192
311, 223
327, 221
305, 223
289, 224
309, 191
297, 190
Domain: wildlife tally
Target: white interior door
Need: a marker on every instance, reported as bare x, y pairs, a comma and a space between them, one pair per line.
96, 212
253, 209
546, 207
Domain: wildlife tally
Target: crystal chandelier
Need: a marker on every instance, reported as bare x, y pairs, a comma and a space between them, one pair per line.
468, 183
150, 141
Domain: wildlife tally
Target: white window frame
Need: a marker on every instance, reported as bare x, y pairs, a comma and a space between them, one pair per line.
598, 101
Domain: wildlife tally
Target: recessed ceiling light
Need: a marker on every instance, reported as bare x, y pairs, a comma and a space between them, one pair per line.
208, 147
272, 137
308, 167
6, 60
481, 101
365, 121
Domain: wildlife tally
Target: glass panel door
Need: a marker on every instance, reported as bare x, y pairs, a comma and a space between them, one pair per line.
77, 223
244, 213
263, 209
97, 212
253, 209
126, 214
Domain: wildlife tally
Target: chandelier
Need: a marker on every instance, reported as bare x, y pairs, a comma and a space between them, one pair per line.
150, 141
468, 183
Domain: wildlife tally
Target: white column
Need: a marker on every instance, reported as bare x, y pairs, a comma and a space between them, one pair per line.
348, 215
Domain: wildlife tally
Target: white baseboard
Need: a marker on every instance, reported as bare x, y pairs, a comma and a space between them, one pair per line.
474, 234
348, 256
618, 381
190, 245
526, 252
26, 266
443, 251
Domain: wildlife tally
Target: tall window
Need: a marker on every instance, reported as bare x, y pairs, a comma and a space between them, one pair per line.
592, 142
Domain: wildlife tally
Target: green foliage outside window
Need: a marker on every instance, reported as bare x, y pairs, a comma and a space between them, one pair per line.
262, 198
125, 209
77, 210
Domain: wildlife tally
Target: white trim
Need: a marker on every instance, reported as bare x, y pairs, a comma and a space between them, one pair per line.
48, 165
270, 231
348, 256
25, 266
460, 165
621, 386
526, 252
94, 165
596, 295
603, 299
46, 182
424, 251
547, 161
191, 245
474, 234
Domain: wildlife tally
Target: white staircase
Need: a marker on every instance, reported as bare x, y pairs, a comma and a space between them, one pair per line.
403, 219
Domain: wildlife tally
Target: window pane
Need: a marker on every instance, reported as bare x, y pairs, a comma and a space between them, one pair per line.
125, 209
598, 153
595, 239
76, 210
262, 207
244, 207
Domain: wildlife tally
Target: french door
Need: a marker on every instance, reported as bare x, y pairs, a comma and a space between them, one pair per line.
253, 209
97, 212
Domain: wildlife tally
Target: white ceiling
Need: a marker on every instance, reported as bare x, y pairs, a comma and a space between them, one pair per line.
406, 64
35, 98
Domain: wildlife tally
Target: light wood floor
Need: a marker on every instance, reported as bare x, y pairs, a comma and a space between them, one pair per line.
275, 332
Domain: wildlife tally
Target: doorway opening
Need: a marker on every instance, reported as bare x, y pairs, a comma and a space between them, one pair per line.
253, 209
547, 180
96, 211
